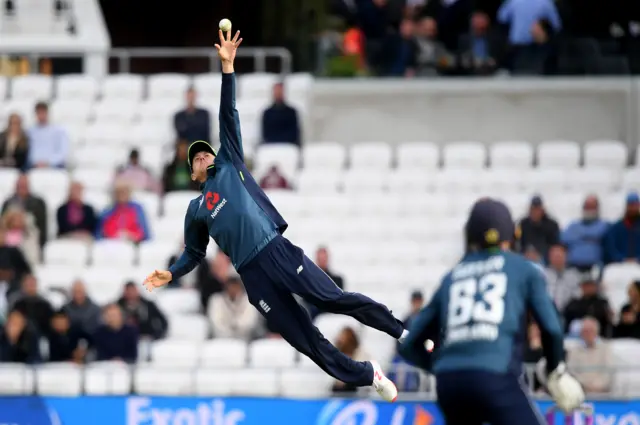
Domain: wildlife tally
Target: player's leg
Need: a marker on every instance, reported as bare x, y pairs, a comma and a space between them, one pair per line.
316, 287
457, 402
511, 403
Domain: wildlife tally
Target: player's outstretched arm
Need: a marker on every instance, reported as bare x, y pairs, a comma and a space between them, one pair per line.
196, 240
230, 137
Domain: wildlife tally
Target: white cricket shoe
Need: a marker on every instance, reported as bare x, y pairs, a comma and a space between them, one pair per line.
382, 384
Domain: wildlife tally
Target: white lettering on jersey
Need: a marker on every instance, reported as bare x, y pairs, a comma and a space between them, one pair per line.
218, 207
475, 268
476, 308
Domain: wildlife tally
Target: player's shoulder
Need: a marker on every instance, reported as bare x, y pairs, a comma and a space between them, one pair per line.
195, 203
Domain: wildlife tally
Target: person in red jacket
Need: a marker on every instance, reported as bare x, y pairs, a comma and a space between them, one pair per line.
125, 219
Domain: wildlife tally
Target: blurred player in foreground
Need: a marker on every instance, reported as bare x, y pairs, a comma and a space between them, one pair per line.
478, 319
237, 214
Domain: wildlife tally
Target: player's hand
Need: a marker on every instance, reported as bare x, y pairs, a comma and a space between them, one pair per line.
157, 279
228, 46
565, 390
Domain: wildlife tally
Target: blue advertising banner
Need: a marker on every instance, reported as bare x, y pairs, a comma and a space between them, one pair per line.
136, 410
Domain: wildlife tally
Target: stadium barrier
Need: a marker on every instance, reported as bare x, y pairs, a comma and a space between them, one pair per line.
140, 410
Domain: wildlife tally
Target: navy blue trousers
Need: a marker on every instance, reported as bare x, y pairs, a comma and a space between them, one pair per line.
479, 397
282, 269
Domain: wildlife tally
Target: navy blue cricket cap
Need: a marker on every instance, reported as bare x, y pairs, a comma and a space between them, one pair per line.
198, 146
489, 223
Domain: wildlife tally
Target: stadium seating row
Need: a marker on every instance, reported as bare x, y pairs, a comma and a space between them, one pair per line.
136, 87
271, 376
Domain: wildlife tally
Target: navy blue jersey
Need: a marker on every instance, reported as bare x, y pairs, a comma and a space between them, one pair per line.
232, 209
478, 316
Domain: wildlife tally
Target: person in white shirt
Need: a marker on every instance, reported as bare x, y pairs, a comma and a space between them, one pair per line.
231, 313
48, 143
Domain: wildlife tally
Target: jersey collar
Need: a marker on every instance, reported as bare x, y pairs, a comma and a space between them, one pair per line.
211, 172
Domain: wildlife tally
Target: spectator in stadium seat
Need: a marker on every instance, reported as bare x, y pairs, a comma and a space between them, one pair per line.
176, 175
136, 174
143, 314
622, 240
192, 123
563, 283
532, 23
452, 17
18, 341
35, 308
13, 268
48, 143
211, 275
125, 219
592, 304
75, 218
480, 49
591, 363
322, 261
21, 232
280, 122
538, 229
533, 350
349, 344
406, 49
273, 179
66, 342
115, 340
231, 314
431, 54
14, 144
31, 203
83, 313
629, 324
584, 237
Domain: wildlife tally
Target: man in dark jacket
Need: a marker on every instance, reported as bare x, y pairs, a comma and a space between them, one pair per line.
280, 121
33, 306
591, 304
622, 240
83, 313
142, 314
538, 229
192, 123
18, 341
115, 340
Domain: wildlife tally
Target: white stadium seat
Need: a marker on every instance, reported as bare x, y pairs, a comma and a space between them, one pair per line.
285, 156
59, 379
207, 85
123, 86
465, 154
113, 252
307, 383
116, 111
256, 85
147, 133
178, 300
418, 155
192, 327
242, 382
105, 134
56, 276
330, 325
325, 156
70, 252
371, 156
271, 353
4, 87
156, 253
36, 87
176, 203
595, 179
224, 353
159, 112
175, 353
49, 180
298, 86
16, 379
94, 179
411, 181
511, 154
107, 378
25, 108
361, 180
558, 154
81, 87
610, 154
68, 111
159, 380
167, 85
8, 179
318, 181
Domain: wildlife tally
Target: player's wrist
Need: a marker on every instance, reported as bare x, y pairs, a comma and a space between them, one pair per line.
227, 67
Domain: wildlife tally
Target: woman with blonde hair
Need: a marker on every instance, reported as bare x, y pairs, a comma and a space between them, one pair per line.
21, 232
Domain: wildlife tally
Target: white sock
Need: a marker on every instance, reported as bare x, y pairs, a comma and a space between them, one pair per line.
404, 335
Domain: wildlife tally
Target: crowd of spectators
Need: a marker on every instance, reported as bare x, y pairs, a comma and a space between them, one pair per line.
481, 37
81, 331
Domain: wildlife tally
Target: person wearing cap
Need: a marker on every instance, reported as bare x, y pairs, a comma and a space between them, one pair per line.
538, 229
240, 218
477, 317
622, 240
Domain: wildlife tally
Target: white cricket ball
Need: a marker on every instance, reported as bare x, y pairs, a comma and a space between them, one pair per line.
225, 25
428, 344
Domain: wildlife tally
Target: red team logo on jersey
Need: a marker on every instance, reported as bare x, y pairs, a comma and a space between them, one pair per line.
212, 199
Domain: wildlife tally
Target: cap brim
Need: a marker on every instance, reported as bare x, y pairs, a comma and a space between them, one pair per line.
198, 146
